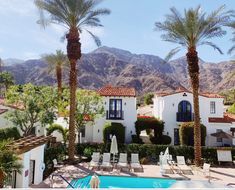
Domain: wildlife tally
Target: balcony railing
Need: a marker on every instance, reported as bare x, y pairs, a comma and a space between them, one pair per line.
184, 117
114, 114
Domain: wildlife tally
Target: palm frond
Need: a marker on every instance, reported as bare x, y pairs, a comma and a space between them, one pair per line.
212, 45
95, 38
171, 54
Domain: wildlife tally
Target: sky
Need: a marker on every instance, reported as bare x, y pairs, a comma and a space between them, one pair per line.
130, 26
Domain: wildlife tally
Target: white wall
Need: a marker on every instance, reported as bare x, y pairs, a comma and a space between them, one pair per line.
165, 108
36, 154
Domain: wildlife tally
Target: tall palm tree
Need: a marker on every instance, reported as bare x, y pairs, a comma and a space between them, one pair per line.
191, 30
55, 64
76, 16
232, 49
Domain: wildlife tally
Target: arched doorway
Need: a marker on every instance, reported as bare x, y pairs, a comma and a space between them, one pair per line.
184, 113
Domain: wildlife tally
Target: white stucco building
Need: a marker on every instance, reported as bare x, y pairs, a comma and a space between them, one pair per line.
177, 107
31, 153
120, 107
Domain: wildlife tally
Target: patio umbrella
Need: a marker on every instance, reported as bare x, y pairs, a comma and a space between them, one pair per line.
114, 146
222, 134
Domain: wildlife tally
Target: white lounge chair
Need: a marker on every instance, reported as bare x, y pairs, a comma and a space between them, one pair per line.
122, 163
106, 162
135, 163
165, 167
95, 159
56, 164
182, 165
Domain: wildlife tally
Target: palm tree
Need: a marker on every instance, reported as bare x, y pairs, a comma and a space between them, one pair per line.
191, 30
60, 129
55, 64
76, 16
6, 79
9, 162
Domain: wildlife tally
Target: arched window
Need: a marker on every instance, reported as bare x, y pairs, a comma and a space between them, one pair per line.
184, 107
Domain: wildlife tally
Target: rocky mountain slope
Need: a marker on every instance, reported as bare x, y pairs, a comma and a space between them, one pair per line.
147, 73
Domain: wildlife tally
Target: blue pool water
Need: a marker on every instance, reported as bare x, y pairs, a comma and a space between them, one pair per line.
124, 182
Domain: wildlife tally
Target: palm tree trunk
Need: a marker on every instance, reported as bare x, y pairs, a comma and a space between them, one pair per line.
193, 68
59, 80
74, 53
1, 179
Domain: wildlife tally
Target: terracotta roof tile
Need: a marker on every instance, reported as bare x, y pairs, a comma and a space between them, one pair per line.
228, 118
14, 106
117, 91
182, 89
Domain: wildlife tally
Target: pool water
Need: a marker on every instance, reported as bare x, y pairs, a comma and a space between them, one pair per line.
124, 182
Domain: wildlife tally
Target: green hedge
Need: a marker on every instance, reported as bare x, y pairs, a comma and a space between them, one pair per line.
149, 124
150, 151
114, 129
9, 133
186, 134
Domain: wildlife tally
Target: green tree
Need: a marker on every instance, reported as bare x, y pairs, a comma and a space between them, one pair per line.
37, 106
191, 30
9, 162
89, 108
148, 99
6, 79
56, 127
76, 16
231, 109
56, 62
232, 49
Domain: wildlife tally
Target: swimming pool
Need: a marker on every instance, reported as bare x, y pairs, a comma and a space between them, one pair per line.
124, 182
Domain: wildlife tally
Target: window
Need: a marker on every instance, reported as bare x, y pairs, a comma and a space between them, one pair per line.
115, 108
82, 130
212, 107
219, 139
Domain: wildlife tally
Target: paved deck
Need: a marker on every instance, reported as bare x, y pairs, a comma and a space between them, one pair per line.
220, 177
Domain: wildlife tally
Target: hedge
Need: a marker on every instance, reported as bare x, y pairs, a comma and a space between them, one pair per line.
186, 134
116, 129
152, 152
9, 133
147, 123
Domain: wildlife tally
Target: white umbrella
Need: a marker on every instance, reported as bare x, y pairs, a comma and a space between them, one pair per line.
114, 146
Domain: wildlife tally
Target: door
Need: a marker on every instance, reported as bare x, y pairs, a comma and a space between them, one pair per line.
31, 172
176, 137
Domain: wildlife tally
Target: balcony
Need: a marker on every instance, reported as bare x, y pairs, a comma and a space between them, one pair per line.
184, 117
114, 115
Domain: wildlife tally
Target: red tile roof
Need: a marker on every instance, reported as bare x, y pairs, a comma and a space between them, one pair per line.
228, 118
117, 91
182, 89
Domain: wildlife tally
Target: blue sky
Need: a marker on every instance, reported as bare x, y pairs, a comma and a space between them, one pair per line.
130, 27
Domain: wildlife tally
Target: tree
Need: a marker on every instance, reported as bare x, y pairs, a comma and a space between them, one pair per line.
231, 109
148, 99
89, 108
37, 106
60, 129
56, 62
6, 79
191, 30
232, 49
76, 16
9, 162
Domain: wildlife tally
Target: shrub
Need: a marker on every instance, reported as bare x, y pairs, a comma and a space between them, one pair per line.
152, 152
8, 133
116, 129
165, 139
136, 139
231, 109
186, 134
146, 123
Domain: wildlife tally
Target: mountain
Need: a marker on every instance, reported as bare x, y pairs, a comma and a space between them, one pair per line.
147, 73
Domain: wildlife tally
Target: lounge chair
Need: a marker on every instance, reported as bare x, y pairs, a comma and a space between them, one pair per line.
56, 164
95, 159
122, 163
165, 167
106, 162
182, 165
135, 163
